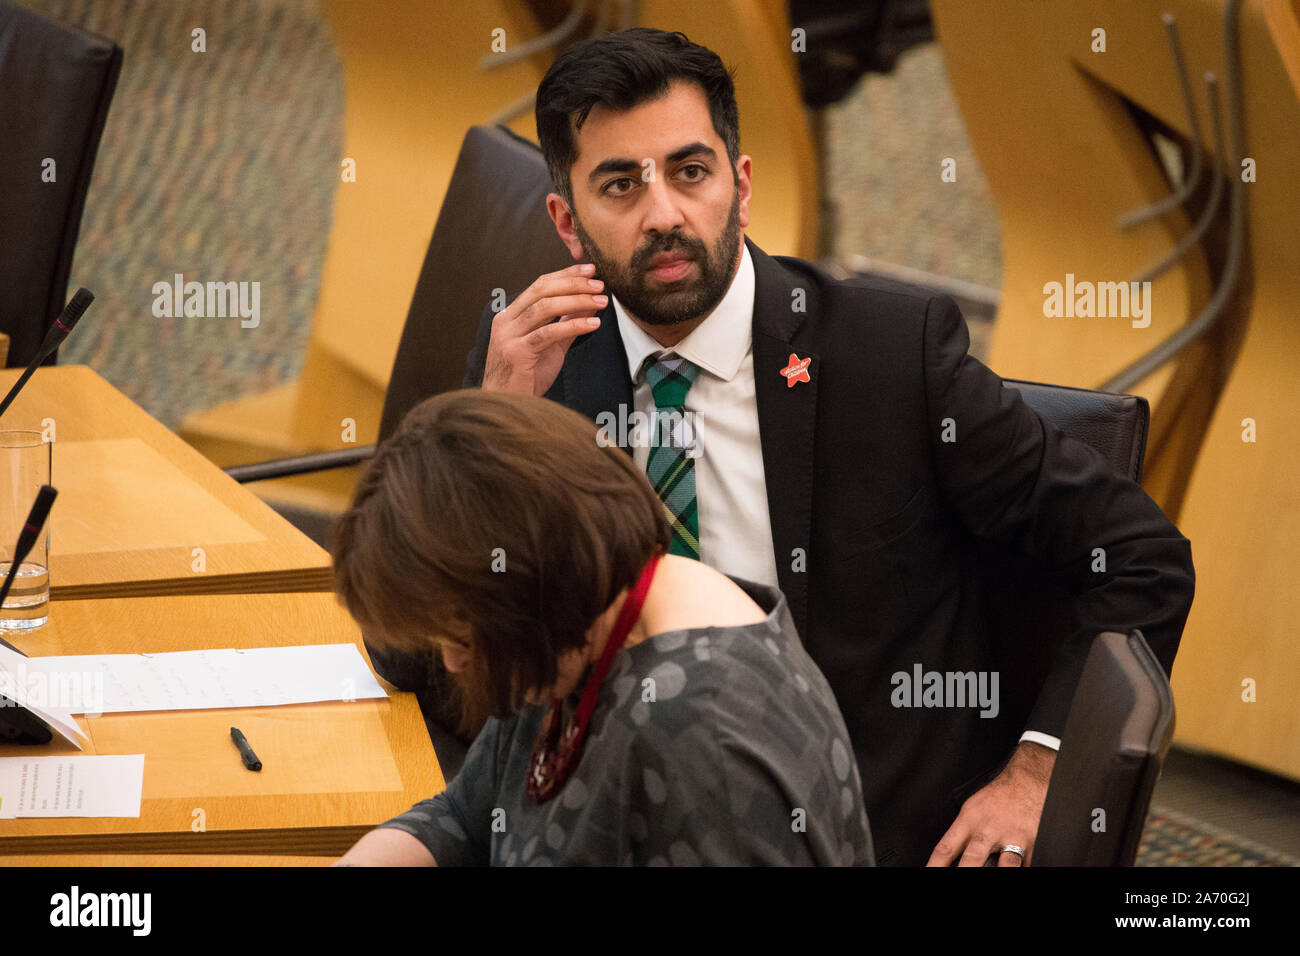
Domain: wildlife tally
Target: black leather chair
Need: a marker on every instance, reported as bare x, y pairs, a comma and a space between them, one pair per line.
493, 232
1116, 737
56, 84
1114, 425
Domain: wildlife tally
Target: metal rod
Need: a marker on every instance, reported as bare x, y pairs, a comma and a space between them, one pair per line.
1171, 346
301, 464
526, 102
957, 288
1191, 177
1180, 248
569, 24
508, 113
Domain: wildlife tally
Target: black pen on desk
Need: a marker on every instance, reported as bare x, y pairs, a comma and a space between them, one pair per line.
245, 752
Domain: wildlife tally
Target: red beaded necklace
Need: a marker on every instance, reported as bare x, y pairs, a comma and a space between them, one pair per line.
556, 754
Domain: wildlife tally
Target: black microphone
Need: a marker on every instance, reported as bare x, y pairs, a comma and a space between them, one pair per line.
26, 538
72, 312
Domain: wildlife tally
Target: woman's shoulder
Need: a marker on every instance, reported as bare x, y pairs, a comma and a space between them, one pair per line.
688, 594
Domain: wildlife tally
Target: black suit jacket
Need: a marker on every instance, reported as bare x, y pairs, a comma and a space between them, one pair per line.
877, 521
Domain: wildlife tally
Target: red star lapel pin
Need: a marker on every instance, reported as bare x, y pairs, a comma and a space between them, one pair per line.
796, 371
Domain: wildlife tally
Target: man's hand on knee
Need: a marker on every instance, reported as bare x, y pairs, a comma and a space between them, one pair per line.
1003, 813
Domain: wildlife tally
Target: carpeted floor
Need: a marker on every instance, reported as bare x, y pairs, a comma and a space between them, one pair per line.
1176, 839
222, 166
885, 144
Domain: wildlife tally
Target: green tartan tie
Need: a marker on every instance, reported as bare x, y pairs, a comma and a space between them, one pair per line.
671, 463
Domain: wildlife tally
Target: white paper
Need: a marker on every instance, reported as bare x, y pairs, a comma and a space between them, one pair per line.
83, 786
199, 680
34, 689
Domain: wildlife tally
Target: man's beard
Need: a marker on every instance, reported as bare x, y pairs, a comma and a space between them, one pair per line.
631, 284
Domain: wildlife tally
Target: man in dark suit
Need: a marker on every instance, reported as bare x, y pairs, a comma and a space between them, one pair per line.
839, 442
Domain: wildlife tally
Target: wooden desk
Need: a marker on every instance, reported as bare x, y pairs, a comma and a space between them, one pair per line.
330, 771
141, 512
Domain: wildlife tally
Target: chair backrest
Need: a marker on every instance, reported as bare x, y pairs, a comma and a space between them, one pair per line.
493, 233
56, 83
1116, 737
1114, 425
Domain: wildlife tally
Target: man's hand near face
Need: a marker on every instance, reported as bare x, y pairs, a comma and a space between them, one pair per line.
1004, 812
528, 346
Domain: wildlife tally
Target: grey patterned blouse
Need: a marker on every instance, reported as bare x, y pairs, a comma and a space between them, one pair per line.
717, 745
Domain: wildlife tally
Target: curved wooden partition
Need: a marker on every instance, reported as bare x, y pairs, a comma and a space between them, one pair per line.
1239, 672
1053, 121
413, 86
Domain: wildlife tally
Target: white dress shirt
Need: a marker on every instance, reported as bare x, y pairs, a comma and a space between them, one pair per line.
730, 486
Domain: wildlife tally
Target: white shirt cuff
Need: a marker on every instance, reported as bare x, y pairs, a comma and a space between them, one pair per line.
1047, 740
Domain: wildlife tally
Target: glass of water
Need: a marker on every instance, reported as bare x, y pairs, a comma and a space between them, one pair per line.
25, 461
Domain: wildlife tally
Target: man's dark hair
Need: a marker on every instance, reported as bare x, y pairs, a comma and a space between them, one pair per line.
620, 71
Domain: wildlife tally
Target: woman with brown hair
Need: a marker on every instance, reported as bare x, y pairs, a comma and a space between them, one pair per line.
636, 707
